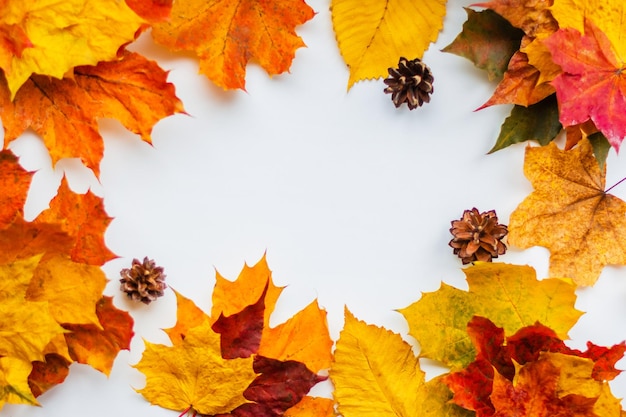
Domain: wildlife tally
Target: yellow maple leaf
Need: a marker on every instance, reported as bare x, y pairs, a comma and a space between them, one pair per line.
193, 374
608, 15
55, 281
225, 35
570, 213
14, 386
509, 295
376, 374
27, 327
66, 34
373, 34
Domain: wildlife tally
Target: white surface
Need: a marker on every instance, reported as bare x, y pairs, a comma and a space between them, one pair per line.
351, 198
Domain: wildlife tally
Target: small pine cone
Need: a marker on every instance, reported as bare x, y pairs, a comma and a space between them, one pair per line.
477, 236
143, 281
411, 82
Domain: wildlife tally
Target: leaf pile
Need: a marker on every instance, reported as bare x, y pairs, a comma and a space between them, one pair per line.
559, 62
231, 363
52, 309
532, 373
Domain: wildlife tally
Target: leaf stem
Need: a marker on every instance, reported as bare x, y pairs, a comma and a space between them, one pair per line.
185, 411
615, 185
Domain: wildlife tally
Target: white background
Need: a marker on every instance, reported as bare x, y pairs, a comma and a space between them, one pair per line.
350, 197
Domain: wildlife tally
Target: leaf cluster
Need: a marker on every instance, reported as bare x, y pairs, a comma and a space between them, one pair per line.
558, 69
232, 363
52, 311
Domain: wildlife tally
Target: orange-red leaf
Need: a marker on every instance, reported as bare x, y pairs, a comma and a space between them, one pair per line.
64, 112
14, 183
98, 347
46, 375
152, 10
82, 216
225, 35
592, 85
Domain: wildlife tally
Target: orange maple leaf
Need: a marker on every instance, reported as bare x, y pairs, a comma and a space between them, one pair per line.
14, 183
64, 112
570, 213
81, 216
225, 35
152, 10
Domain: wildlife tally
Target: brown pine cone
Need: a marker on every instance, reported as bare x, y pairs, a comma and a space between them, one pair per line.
410, 83
477, 236
143, 281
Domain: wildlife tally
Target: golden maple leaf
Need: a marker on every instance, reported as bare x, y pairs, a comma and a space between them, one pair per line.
64, 112
192, 373
376, 374
66, 34
373, 34
14, 183
14, 386
570, 213
225, 35
509, 295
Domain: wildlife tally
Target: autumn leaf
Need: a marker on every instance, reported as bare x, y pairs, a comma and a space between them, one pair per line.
539, 121
194, 374
376, 374
13, 38
570, 213
509, 295
98, 345
14, 387
82, 216
591, 86
48, 373
373, 34
496, 357
521, 84
64, 112
226, 35
312, 407
26, 326
488, 40
533, 17
609, 15
14, 183
152, 10
63, 35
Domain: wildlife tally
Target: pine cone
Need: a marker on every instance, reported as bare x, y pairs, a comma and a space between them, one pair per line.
143, 281
411, 82
477, 236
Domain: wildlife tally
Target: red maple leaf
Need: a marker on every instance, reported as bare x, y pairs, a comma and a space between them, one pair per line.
592, 85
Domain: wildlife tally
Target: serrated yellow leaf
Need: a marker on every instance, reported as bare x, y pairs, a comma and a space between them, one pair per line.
14, 387
373, 34
65, 34
194, 374
509, 295
376, 374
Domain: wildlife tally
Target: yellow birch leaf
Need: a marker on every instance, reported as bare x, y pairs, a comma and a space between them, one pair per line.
14, 386
608, 15
303, 338
570, 213
373, 34
66, 34
55, 281
26, 327
509, 295
194, 374
376, 374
